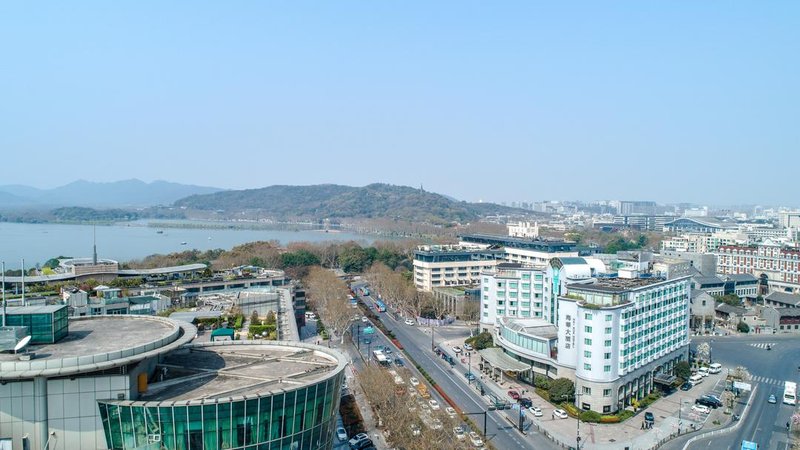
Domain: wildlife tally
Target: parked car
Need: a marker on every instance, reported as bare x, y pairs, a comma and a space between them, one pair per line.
709, 401
459, 432
457, 349
686, 386
560, 413
360, 441
772, 399
701, 409
475, 439
364, 319
703, 371
436, 424
415, 430
525, 402
409, 322
450, 412
469, 376
399, 362
513, 394
649, 417
341, 434
536, 411
434, 404
413, 381
467, 347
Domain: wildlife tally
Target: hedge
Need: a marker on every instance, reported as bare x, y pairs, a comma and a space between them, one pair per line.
590, 416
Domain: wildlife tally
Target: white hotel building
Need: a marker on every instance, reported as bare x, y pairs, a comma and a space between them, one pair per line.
615, 337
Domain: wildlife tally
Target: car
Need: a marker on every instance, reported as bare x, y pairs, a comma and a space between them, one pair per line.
649, 417
772, 399
387, 350
413, 381
450, 412
701, 409
703, 371
525, 402
560, 413
686, 386
415, 430
469, 376
475, 439
536, 411
364, 319
513, 394
399, 362
457, 349
341, 434
436, 424
367, 341
434, 404
359, 441
709, 401
364, 444
409, 322
467, 347
459, 433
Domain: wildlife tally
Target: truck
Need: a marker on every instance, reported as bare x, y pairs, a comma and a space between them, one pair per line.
790, 393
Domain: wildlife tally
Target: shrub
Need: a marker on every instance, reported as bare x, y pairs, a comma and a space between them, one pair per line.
590, 416
743, 327
561, 390
625, 414
682, 370
609, 419
481, 341
542, 393
542, 383
571, 409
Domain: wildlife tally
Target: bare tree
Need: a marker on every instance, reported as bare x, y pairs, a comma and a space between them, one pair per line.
328, 296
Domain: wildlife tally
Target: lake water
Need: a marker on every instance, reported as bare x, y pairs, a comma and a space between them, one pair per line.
124, 242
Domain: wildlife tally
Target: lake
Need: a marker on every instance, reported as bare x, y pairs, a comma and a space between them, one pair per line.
135, 240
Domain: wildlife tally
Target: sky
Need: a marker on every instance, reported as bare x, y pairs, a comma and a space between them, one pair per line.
494, 101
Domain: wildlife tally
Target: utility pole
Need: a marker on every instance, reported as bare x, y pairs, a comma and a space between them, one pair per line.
469, 368
578, 436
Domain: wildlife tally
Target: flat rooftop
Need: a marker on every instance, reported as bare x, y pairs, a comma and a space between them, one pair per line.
534, 327
616, 284
98, 343
236, 368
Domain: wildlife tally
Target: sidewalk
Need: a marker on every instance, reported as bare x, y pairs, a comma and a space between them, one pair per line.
673, 415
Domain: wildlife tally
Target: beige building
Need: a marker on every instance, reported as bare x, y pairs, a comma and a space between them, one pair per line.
437, 266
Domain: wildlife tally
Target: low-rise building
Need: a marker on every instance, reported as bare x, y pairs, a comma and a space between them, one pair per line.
782, 300
702, 310
452, 265
782, 320
728, 315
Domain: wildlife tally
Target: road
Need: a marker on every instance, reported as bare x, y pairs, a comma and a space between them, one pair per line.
765, 423
500, 432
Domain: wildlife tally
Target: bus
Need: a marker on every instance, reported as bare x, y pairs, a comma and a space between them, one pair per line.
380, 358
790, 393
380, 306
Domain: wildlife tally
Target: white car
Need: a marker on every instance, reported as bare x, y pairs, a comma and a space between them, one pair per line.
415, 430
450, 412
457, 349
364, 319
560, 414
701, 409
434, 404
536, 411
467, 347
341, 434
413, 381
459, 432
409, 322
475, 439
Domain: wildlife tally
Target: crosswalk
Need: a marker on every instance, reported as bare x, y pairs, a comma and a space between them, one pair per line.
763, 345
766, 380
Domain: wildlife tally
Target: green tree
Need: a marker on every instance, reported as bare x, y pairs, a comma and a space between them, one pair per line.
254, 320
561, 390
730, 299
355, 258
682, 370
270, 320
299, 258
743, 327
481, 341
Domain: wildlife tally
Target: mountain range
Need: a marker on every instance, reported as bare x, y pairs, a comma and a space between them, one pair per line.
118, 194
332, 201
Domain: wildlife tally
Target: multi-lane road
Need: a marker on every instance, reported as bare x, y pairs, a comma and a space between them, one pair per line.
500, 432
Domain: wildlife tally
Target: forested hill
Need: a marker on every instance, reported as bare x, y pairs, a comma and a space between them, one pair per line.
338, 202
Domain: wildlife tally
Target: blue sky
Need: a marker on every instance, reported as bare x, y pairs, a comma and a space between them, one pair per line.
671, 101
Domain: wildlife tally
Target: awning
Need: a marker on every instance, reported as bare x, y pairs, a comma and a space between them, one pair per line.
498, 359
665, 379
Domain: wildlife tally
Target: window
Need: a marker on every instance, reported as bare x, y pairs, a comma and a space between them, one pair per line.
587, 354
606, 392
608, 317
606, 409
608, 330
607, 343
587, 329
607, 356
587, 341
587, 316
606, 369
587, 366
587, 390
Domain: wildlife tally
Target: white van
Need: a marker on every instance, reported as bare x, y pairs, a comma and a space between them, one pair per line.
703, 371
715, 368
696, 379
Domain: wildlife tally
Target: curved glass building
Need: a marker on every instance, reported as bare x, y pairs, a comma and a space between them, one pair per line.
233, 395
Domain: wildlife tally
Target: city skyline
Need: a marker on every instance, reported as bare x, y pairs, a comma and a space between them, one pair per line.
675, 103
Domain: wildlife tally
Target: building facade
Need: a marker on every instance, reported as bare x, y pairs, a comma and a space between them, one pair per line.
452, 265
778, 266
511, 291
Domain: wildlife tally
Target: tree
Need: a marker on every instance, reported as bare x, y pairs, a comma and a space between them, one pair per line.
355, 258
743, 327
704, 352
328, 296
254, 320
730, 299
299, 258
682, 370
561, 390
481, 341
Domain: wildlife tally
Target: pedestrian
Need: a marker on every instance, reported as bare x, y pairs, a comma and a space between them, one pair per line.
642, 427
553, 415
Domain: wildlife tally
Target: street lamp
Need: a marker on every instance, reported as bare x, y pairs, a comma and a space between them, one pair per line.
484, 412
469, 368
578, 435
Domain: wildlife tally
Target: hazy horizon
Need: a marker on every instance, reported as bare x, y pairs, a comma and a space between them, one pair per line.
690, 102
